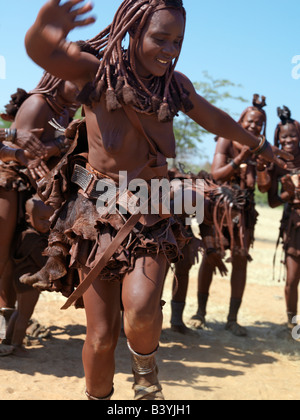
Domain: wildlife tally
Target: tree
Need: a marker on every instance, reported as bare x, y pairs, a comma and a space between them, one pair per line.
4, 124
190, 135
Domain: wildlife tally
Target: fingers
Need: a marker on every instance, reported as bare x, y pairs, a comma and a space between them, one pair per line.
85, 22
44, 167
280, 163
70, 4
75, 14
284, 155
37, 132
82, 10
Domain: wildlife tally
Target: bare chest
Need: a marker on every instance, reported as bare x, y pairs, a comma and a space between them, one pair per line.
119, 134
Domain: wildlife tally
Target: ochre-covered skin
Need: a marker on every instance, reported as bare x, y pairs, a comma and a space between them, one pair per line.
156, 29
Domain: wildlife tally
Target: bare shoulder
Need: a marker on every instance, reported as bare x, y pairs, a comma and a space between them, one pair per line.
33, 112
223, 145
183, 80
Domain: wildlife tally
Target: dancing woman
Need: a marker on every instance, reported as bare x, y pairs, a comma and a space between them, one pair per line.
131, 95
235, 165
284, 188
31, 147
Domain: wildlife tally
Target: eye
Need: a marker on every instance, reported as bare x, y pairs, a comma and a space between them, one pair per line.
158, 40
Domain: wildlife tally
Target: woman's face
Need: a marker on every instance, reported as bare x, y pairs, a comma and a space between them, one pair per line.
289, 139
160, 43
253, 122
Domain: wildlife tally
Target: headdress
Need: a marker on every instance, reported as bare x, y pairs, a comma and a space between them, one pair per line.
257, 105
285, 116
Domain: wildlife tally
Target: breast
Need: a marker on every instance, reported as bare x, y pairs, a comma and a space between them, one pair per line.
120, 135
161, 134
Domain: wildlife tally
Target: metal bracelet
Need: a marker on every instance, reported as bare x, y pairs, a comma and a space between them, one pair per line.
261, 146
10, 135
143, 364
234, 165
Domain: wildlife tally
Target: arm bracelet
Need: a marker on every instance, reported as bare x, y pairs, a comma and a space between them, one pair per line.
261, 146
10, 135
234, 165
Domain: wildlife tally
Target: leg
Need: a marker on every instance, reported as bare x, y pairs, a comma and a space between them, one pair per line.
102, 307
291, 287
205, 277
180, 287
141, 297
8, 221
238, 284
16, 330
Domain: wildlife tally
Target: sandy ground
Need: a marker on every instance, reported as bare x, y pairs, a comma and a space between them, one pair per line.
204, 365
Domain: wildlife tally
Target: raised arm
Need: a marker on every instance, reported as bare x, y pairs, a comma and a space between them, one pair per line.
47, 46
287, 193
224, 166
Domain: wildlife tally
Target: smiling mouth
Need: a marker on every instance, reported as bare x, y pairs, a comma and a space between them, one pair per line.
162, 61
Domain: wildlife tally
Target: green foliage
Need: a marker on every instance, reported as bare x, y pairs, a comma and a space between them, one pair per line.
190, 135
261, 198
4, 124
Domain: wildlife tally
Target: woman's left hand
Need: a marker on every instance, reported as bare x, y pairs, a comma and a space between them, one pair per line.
36, 166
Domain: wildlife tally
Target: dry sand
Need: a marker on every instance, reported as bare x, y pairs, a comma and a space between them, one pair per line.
204, 365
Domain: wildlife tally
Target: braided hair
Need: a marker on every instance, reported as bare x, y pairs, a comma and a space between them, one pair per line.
48, 85
285, 116
117, 75
16, 100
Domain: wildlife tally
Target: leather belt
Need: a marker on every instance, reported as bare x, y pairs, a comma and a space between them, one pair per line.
93, 186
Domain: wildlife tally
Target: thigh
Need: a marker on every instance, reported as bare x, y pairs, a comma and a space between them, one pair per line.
102, 305
142, 288
293, 269
8, 219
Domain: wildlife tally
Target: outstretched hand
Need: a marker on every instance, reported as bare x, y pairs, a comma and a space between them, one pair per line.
274, 154
58, 20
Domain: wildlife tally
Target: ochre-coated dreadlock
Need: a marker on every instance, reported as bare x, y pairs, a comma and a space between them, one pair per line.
117, 75
48, 86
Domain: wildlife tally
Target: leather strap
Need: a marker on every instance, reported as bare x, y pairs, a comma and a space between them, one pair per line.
123, 232
111, 249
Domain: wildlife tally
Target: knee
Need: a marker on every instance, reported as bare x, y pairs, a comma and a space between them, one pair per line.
239, 262
101, 341
141, 319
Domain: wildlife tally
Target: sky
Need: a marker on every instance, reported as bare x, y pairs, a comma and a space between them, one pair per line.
253, 44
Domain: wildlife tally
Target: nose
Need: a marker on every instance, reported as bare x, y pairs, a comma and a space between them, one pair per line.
170, 50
